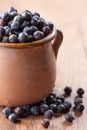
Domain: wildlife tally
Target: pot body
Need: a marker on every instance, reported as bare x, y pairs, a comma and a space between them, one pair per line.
28, 71
26, 75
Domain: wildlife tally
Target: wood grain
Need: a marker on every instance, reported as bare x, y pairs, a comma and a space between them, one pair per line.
71, 17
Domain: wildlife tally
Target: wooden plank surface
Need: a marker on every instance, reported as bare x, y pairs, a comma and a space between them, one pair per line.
71, 17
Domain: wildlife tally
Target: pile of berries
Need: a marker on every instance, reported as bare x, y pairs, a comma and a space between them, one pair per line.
22, 27
48, 107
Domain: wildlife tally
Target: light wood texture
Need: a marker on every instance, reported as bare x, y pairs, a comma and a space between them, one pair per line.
71, 17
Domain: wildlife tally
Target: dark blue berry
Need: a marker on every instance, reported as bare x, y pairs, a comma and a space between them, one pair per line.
46, 30
9, 23
49, 114
30, 38
5, 39
25, 24
52, 94
33, 28
36, 17
15, 26
44, 108
50, 99
13, 14
18, 18
80, 107
50, 25
69, 117
38, 35
1, 37
23, 37
26, 15
7, 111
2, 22
61, 97
53, 107
68, 90
58, 102
67, 105
19, 111
77, 101
36, 14
61, 108
45, 123
28, 30
34, 22
2, 30
13, 117
7, 30
12, 9
16, 33
80, 92
27, 108
6, 17
0, 15
35, 110
41, 24
13, 38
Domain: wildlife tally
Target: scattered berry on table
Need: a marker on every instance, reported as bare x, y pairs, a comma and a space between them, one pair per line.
50, 99
49, 114
45, 123
80, 107
61, 97
77, 101
80, 92
67, 90
13, 117
7, 111
27, 108
35, 110
61, 108
67, 105
44, 108
53, 107
69, 117
19, 111
58, 102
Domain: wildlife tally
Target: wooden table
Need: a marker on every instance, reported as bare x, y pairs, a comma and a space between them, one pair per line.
71, 17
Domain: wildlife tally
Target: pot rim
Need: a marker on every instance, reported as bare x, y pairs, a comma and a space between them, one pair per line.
48, 38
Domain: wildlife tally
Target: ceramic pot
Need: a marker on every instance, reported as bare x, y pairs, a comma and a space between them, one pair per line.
28, 70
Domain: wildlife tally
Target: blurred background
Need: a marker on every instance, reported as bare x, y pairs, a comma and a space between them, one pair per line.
71, 17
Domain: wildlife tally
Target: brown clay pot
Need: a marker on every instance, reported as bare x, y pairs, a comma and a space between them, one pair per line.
28, 70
